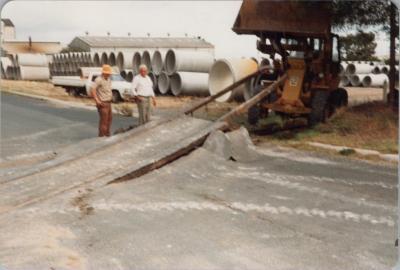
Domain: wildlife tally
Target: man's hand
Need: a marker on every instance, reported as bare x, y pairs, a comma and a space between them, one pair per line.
154, 101
99, 103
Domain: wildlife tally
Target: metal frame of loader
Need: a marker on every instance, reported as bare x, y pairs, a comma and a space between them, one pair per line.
299, 32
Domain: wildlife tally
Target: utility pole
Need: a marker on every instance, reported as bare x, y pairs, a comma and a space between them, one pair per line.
392, 61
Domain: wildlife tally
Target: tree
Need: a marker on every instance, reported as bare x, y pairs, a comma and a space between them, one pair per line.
381, 13
359, 47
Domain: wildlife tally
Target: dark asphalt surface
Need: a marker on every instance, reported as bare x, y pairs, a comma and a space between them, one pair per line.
30, 125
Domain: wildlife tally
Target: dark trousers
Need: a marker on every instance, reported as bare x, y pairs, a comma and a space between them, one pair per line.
105, 115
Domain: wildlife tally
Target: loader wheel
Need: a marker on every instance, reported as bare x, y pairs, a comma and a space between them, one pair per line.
339, 98
319, 107
257, 111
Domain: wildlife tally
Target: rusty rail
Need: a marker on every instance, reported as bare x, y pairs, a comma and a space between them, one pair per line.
224, 91
254, 100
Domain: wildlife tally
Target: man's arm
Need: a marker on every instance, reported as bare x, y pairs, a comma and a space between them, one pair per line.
96, 98
134, 86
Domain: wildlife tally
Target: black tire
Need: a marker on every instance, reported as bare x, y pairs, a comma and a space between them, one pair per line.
257, 111
339, 98
319, 107
116, 97
73, 92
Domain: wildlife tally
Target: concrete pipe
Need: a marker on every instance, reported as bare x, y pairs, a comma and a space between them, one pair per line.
10, 73
84, 72
157, 62
124, 60
154, 79
30, 59
363, 68
112, 60
6, 62
129, 76
375, 80
146, 59
385, 70
136, 61
342, 68
376, 70
345, 81
192, 61
163, 83
225, 72
190, 84
35, 73
104, 59
124, 73
356, 80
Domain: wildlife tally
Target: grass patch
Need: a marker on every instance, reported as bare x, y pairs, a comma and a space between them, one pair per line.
370, 125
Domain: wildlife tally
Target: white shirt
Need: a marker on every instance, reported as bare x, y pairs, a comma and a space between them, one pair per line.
142, 86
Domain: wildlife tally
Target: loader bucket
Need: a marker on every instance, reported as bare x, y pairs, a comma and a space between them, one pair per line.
288, 18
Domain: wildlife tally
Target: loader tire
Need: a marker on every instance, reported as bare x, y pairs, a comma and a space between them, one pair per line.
257, 111
319, 107
339, 98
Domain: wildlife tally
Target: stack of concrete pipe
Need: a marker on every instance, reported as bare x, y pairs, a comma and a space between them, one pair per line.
69, 64
365, 74
183, 72
25, 66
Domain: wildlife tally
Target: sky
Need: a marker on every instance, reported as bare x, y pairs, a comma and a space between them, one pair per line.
63, 20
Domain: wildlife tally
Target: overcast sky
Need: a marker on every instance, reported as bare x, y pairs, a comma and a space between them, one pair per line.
63, 20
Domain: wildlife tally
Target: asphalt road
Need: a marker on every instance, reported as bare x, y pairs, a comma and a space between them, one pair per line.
264, 208
30, 125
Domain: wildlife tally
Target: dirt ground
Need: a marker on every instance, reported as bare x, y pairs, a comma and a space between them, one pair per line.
370, 125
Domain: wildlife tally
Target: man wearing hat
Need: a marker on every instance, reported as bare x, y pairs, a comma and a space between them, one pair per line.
102, 94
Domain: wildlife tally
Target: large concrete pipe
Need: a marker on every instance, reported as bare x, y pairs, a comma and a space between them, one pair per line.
191, 60
6, 62
189, 84
104, 58
363, 68
157, 61
129, 76
154, 79
84, 72
146, 59
11, 73
376, 70
136, 61
344, 81
163, 83
35, 73
385, 70
375, 80
225, 72
112, 60
30, 59
356, 80
124, 60
342, 68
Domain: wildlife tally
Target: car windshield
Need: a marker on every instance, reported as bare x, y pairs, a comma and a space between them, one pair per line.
117, 77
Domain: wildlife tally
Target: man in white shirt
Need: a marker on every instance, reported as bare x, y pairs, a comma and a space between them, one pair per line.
142, 89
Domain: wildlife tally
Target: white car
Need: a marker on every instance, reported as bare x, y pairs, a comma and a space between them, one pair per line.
77, 86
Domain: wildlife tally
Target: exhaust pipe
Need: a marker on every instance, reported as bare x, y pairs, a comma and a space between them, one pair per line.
189, 84
163, 83
225, 72
188, 60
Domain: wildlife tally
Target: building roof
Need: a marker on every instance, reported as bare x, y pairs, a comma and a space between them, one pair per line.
7, 22
143, 42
